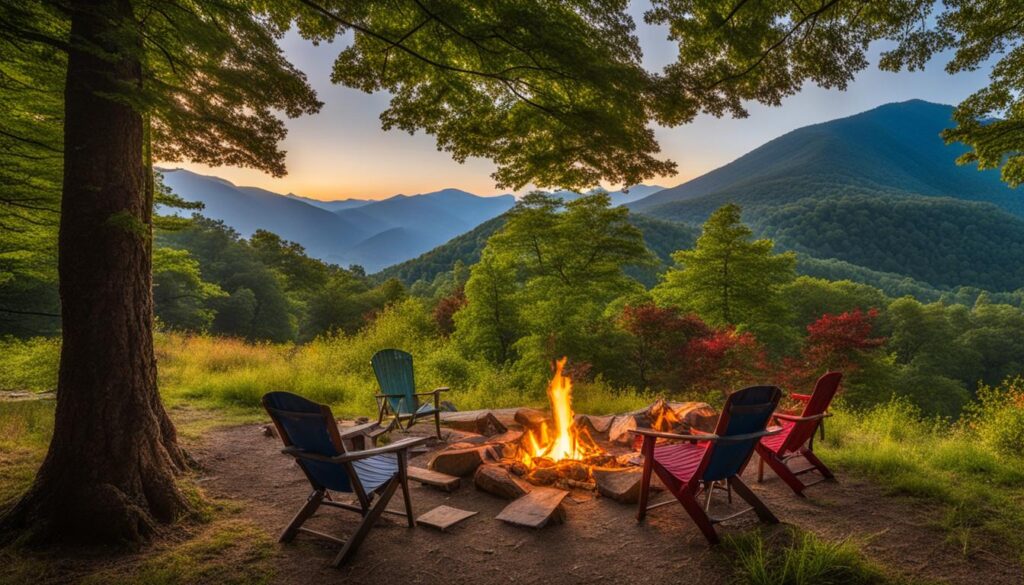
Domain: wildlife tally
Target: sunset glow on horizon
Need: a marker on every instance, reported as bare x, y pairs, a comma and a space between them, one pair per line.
343, 153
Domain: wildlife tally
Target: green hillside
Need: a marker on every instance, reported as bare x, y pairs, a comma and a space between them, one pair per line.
878, 191
892, 149
940, 241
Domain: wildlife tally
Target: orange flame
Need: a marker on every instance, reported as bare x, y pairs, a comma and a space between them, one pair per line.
567, 442
667, 418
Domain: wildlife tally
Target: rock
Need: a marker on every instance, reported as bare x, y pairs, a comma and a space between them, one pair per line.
532, 419
495, 479
619, 431
621, 485
457, 437
700, 416
536, 509
461, 459
543, 475
269, 431
573, 470
474, 421
595, 425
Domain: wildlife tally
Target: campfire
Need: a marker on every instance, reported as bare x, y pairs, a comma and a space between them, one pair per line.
566, 441
559, 448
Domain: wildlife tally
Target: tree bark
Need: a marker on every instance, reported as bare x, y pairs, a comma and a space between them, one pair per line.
109, 475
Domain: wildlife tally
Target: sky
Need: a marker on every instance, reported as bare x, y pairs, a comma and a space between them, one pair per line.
342, 152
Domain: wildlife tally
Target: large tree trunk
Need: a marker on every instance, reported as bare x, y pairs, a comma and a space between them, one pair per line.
109, 475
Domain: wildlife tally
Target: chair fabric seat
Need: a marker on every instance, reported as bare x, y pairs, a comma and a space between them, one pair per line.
681, 459
775, 442
375, 471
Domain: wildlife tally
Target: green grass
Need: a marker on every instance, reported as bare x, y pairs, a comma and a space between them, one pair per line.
793, 557
232, 552
25, 430
980, 491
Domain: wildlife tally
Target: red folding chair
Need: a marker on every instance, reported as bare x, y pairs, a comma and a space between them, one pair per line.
797, 437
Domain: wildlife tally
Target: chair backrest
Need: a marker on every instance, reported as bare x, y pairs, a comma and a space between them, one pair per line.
824, 391
311, 427
393, 368
746, 411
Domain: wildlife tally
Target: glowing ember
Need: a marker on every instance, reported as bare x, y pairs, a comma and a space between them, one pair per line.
565, 441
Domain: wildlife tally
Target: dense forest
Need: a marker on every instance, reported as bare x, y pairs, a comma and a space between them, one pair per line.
584, 279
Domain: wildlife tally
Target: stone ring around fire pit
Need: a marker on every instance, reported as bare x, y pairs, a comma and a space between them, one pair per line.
510, 451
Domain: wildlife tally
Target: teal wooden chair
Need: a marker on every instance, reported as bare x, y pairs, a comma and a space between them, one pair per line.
398, 396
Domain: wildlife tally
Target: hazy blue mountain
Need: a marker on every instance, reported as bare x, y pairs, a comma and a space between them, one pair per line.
333, 205
374, 234
247, 209
892, 149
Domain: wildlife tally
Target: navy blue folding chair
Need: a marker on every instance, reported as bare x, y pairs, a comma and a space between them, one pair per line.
703, 461
310, 435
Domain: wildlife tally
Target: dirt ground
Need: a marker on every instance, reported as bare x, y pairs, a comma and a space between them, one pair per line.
600, 542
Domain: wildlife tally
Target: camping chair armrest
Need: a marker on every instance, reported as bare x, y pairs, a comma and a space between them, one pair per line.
433, 392
707, 437
794, 418
395, 447
802, 397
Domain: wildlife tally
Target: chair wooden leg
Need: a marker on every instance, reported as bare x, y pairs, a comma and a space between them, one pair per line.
352, 544
755, 502
403, 478
645, 482
821, 467
307, 510
760, 469
437, 424
782, 470
699, 516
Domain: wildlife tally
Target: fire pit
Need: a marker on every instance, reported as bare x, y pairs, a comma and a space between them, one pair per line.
561, 449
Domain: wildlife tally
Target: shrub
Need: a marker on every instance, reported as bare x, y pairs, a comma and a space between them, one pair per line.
30, 364
998, 417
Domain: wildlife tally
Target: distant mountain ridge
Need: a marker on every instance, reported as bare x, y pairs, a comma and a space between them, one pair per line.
373, 234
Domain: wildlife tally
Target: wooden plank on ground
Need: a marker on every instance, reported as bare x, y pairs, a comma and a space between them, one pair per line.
536, 508
448, 483
443, 517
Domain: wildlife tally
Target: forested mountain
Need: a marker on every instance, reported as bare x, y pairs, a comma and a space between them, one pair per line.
662, 237
878, 191
895, 148
373, 234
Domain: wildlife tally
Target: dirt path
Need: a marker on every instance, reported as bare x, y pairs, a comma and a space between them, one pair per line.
600, 541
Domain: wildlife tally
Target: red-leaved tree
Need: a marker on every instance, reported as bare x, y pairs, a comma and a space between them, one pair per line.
724, 361
834, 343
660, 337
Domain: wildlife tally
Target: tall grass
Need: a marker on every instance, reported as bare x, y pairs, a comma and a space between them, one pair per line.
335, 370
980, 488
25, 430
800, 558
